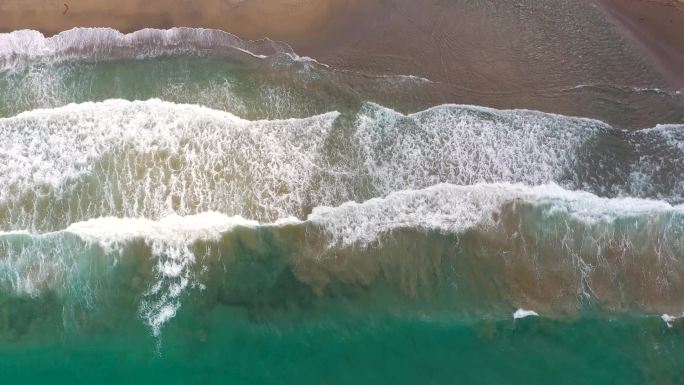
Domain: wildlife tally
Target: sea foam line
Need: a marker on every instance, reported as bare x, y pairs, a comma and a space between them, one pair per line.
25, 47
21, 48
445, 207
655, 90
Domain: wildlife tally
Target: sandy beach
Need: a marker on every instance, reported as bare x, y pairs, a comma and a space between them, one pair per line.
501, 55
281, 19
397, 35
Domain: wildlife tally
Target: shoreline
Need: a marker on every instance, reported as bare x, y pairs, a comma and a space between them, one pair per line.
288, 20
335, 30
571, 58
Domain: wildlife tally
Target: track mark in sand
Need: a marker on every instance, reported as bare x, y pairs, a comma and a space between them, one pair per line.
66, 9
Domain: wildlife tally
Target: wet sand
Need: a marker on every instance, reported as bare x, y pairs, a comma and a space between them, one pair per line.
581, 58
657, 27
292, 20
330, 27
557, 56
490, 45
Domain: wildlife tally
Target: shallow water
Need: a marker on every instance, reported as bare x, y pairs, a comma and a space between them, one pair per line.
187, 207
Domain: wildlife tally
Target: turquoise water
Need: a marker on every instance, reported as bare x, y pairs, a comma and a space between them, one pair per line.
223, 347
175, 209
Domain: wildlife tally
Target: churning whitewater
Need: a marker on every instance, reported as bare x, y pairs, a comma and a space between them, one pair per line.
133, 159
118, 178
593, 245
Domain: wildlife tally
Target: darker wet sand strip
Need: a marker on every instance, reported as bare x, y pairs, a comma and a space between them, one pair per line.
656, 27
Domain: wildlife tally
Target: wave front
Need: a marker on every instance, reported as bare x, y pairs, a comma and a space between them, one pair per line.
461, 250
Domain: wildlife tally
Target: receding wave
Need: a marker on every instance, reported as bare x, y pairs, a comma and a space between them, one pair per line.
461, 249
21, 48
260, 79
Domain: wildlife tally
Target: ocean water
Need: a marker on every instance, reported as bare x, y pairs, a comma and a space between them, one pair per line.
183, 206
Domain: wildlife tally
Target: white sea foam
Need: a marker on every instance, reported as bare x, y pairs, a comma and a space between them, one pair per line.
630, 89
112, 232
170, 239
467, 145
52, 259
453, 209
444, 208
670, 319
21, 48
672, 133
522, 313
658, 173
395, 78
132, 159
149, 159
153, 158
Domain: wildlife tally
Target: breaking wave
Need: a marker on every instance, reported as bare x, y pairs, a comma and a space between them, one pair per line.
151, 159
480, 248
469, 144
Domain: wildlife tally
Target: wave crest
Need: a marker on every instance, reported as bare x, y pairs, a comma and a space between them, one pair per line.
490, 247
